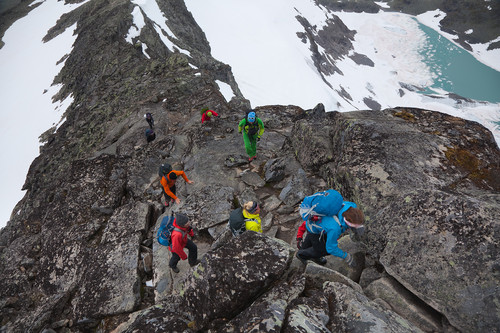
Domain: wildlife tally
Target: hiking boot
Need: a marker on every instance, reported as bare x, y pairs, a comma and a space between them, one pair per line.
320, 261
304, 261
175, 269
195, 263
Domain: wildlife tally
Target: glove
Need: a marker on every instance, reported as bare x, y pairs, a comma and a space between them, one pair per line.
356, 234
350, 260
299, 243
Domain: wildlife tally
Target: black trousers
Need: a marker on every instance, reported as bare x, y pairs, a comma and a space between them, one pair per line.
167, 197
192, 256
313, 247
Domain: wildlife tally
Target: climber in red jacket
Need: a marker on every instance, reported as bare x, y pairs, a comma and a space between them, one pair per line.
180, 240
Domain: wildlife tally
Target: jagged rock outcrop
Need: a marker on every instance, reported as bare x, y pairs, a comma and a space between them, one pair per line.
79, 253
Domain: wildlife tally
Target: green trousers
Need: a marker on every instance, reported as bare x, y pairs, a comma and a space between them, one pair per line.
250, 144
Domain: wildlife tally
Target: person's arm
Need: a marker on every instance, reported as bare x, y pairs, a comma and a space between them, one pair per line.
261, 127
167, 190
332, 246
215, 113
300, 234
241, 125
183, 175
204, 117
302, 230
177, 246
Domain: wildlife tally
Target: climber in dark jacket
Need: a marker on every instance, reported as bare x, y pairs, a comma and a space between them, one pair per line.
150, 120
150, 135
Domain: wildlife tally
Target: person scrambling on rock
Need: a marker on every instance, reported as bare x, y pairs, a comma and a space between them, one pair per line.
327, 216
207, 115
300, 243
251, 211
168, 185
180, 240
252, 128
150, 120
150, 135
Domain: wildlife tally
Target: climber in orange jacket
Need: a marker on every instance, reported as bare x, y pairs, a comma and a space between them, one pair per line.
168, 183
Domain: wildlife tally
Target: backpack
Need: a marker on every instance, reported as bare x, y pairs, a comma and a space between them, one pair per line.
164, 234
326, 203
164, 170
237, 221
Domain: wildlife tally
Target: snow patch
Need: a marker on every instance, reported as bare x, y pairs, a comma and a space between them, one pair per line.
225, 90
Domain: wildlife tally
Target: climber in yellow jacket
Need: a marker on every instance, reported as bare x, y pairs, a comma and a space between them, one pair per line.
251, 211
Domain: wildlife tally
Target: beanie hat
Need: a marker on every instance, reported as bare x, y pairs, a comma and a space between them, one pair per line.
251, 117
181, 219
252, 206
172, 176
209, 114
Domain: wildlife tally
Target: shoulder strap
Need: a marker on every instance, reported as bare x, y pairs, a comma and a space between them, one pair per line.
335, 217
179, 230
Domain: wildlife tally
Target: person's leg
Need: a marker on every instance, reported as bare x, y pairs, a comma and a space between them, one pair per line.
173, 261
253, 145
193, 252
174, 191
248, 145
317, 248
164, 194
319, 244
306, 242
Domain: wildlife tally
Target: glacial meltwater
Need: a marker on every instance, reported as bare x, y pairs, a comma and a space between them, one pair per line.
457, 71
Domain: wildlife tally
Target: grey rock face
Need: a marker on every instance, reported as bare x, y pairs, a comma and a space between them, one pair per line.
430, 198
80, 253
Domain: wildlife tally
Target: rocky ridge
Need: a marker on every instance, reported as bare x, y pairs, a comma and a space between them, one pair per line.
79, 254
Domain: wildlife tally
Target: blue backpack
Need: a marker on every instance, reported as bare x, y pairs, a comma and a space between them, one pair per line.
326, 203
164, 234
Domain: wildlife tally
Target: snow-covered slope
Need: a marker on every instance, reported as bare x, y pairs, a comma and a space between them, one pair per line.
273, 66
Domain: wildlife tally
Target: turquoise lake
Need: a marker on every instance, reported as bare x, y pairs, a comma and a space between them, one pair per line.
457, 71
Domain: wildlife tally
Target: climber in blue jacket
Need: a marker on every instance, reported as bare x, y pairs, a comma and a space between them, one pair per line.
327, 216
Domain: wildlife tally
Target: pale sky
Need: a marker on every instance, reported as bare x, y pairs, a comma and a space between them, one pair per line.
270, 64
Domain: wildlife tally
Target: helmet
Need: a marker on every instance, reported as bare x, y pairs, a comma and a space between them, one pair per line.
251, 117
209, 114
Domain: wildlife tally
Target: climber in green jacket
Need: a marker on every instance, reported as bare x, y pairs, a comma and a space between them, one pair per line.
252, 128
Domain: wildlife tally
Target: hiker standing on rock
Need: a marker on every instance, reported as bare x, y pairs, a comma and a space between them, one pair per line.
150, 120
180, 240
252, 128
168, 185
327, 216
208, 114
251, 211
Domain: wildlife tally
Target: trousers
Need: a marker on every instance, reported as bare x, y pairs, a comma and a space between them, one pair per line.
192, 256
313, 247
